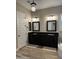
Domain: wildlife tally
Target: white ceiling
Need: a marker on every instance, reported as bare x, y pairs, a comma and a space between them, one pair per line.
41, 4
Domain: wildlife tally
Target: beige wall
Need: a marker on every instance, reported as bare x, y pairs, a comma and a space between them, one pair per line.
22, 17
42, 14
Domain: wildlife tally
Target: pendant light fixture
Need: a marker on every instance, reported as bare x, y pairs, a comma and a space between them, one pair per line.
33, 4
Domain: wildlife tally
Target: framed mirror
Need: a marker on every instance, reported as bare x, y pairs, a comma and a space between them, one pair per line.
36, 26
51, 25
29, 26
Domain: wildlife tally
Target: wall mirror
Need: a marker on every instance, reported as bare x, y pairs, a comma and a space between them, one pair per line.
36, 26
29, 26
51, 25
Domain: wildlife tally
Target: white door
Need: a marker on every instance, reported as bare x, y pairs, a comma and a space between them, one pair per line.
21, 29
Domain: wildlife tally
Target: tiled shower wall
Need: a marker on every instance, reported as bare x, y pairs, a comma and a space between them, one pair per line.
22, 17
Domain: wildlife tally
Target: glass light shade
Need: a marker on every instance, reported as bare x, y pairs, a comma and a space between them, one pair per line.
33, 9
52, 18
29, 20
55, 17
35, 19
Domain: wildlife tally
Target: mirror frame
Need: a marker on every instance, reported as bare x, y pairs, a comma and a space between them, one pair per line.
52, 24
36, 25
30, 26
